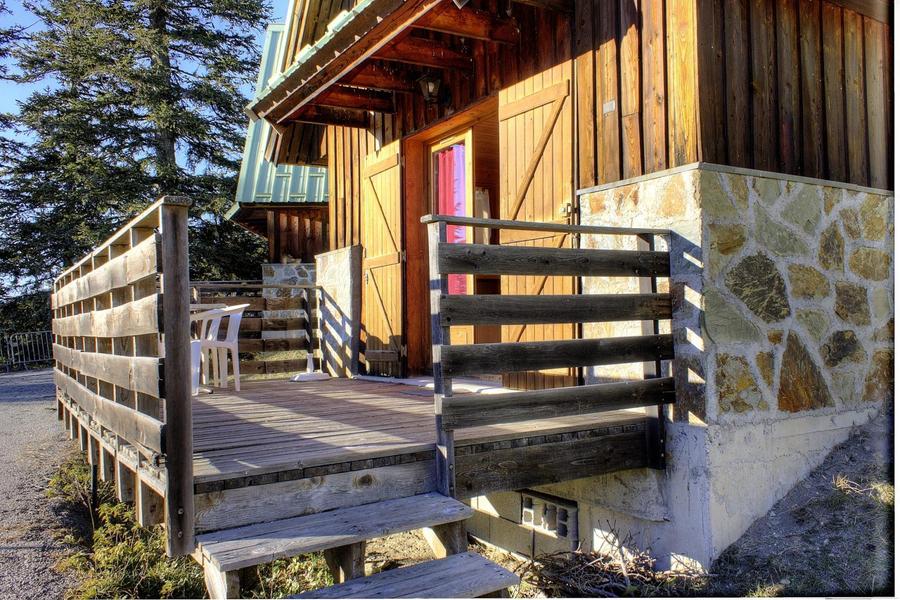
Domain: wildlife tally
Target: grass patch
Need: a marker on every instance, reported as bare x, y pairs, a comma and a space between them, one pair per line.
117, 558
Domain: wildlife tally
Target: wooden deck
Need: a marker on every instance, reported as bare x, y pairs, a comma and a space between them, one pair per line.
278, 449
276, 426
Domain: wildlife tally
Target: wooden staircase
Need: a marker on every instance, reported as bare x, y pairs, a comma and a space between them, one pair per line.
342, 534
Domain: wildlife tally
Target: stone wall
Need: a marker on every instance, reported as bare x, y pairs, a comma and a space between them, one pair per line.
339, 311
783, 328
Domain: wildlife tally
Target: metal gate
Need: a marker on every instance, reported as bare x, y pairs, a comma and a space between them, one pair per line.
18, 350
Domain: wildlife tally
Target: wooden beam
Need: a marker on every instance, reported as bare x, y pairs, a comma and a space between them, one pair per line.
587, 308
377, 75
510, 357
326, 115
524, 260
470, 22
425, 53
341, 96
577, 454
557, 5
475, 410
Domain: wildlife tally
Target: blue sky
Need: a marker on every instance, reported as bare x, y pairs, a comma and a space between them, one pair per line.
11, 93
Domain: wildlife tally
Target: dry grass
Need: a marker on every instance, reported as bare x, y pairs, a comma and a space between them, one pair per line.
596, 575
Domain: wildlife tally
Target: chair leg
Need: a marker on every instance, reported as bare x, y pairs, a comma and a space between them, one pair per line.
222, 355
236, 367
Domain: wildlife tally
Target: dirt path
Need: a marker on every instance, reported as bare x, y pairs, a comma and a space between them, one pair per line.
32, 444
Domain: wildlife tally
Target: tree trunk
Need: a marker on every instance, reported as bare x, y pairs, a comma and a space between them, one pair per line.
161, 65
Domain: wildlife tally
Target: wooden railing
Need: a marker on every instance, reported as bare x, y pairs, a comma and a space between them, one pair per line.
260, 333
460, 360
121, 335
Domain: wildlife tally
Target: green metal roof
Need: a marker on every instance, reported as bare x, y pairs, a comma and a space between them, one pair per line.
260, 181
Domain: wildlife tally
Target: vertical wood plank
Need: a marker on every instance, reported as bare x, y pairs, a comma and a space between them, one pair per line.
876, 116
737, 82
630, 61
763, 84
812, 136
585, 82
833, 68
179, 513
608, 108
682, 81
653, 74
711, 81
854, 86
788, 71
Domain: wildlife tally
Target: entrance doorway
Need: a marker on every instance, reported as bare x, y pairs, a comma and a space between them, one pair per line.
450, 168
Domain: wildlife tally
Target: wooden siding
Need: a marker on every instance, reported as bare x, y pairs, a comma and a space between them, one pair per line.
796, 86
792, 86
299, 233
635, 88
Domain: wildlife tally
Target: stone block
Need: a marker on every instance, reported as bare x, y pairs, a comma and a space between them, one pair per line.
805, 210
801, 385
777, 238
757, 282
870, 263
851, 304
736, 385
842, 346
831, 248
874, 213
808, 282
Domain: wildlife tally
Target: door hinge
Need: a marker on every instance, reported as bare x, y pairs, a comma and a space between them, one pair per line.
403, 256
403, 350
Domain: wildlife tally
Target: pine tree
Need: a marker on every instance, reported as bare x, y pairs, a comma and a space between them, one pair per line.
142, 98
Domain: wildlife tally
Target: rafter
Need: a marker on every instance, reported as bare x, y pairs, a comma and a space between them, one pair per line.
426, 53
340, 96
326, 115
380, 76
470, 22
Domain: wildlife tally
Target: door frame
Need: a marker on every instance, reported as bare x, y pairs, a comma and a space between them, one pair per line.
415, 184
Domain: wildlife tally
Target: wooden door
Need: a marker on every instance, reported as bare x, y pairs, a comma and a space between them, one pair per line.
536, 153
382, 265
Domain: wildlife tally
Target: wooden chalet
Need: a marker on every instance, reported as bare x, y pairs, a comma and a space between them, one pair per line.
456, 140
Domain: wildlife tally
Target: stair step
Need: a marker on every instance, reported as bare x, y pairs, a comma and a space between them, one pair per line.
466, 575
232, 549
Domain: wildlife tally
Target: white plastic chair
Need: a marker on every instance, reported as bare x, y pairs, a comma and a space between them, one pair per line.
207, 330
220, 348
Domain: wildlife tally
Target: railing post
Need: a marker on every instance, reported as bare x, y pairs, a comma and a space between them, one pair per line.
440, 335
657, 437
179, 500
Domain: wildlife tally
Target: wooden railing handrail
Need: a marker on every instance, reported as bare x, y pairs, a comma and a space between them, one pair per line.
459, 360
537, 226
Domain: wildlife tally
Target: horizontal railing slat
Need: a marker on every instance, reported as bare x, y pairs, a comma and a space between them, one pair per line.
136, 373
259, 324
134, 318
500, 309
509, 357
474, 410
132, 266
541, 226
256, 303
134, 426
531, 260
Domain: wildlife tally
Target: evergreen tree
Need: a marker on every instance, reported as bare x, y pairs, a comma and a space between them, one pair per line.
140, 98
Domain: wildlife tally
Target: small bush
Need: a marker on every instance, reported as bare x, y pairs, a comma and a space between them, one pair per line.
117, 558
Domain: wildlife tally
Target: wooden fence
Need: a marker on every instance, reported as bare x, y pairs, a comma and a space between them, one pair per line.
460, 360
121, 335
262, 334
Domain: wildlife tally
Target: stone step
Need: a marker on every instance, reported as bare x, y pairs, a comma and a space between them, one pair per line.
466, 575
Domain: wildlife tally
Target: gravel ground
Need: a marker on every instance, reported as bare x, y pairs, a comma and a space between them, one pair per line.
33, 444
